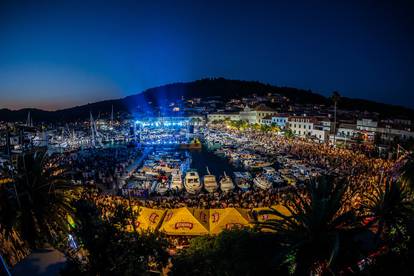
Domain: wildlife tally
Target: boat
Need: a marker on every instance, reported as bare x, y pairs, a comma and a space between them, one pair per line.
226, 184
258, 164
162, 187
269, 170
176, 181
192, 182
262, 182
210, 182
243, 180
195, 144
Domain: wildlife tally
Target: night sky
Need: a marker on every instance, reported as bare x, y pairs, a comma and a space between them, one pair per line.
56, 54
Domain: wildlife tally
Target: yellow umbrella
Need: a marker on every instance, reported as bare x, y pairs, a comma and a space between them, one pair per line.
222, 219
181, 221
149, 219
264, 217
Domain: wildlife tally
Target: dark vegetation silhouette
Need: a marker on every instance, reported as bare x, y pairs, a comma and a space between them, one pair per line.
203, 88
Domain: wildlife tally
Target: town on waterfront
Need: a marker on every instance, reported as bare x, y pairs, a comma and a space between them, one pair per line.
207, 138
179, 173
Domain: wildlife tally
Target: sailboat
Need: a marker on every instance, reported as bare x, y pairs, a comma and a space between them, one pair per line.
210, 182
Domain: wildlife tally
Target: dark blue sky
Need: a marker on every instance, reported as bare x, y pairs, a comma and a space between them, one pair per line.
56, 54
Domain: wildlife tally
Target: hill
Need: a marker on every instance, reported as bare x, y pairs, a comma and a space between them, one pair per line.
225, 88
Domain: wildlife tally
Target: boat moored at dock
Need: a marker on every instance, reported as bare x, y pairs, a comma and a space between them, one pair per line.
210, 182
226, 184
192, 182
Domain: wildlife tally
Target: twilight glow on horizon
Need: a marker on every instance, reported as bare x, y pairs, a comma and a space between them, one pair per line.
57, 54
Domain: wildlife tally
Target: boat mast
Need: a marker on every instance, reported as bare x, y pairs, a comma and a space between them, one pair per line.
112, 116
92, 129
28, 119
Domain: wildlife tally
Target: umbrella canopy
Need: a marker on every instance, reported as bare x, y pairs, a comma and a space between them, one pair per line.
149, 219
222, 219
262, 216
182, 221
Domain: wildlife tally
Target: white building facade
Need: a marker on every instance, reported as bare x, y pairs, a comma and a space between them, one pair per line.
222, 116
302, 126
255, 115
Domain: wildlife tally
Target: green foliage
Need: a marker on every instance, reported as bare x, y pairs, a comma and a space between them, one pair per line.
274, 127
407, 172
239, 124
391, 207
37, 203
110, 249
318, 233
288, 133
236, 252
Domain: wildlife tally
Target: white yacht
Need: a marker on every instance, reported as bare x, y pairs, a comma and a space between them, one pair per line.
210, 182
262, 182
176, 181
243, 180
226, 184
192, 182
269, 170
163, 187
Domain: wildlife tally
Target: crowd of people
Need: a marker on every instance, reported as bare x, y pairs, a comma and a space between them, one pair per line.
360, 170
106, 166
247, 200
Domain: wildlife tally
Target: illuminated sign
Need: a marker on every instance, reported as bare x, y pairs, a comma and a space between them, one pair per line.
233, 225
183, 224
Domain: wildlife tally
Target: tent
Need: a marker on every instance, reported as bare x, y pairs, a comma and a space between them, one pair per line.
267, 217
149, 219
222, 219
203, 216
182, 221
264, 217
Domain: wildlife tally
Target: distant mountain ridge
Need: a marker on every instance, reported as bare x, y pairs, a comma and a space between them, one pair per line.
227, 89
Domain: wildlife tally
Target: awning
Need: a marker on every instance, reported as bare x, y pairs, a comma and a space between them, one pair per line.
182, 221
264, 217
222, 219
149, 219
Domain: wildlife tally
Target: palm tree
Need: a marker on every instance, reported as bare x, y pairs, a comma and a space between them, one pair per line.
319, 228
391, 209
40, 204
407, 172
390, 206
335, 98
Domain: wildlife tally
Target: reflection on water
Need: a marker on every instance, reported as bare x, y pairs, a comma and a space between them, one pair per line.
203, 158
